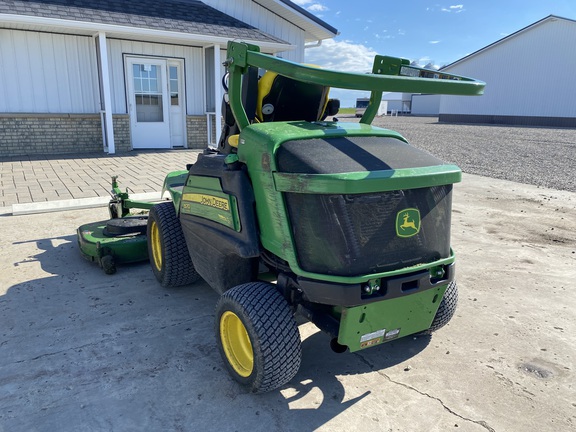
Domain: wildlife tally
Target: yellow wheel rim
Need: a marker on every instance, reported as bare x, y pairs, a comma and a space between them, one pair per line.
236, 344
156, 245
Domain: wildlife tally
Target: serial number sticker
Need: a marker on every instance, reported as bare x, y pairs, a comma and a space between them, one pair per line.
208, 200
392, 334
373, 335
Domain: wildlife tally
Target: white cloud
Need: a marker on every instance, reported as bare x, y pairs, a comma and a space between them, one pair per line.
342, 56
311, 5
434, 42
317, 7
426, 62
454, 8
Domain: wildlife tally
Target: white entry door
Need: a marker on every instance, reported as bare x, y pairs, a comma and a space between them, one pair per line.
148, 103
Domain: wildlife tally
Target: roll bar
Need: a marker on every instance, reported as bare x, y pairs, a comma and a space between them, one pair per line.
389, 74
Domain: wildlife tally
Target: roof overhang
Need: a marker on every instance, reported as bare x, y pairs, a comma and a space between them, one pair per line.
83, 28
314, 27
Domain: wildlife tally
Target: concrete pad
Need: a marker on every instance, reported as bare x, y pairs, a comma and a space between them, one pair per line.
82, 350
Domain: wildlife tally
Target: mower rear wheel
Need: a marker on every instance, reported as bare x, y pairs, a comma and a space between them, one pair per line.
257, 336
167, 248
446, 309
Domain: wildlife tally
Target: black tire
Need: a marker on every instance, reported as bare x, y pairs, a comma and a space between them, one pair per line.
446, 309
257, 336
108, 264
167, 248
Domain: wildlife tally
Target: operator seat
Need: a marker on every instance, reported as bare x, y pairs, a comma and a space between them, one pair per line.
284, 99
275, 98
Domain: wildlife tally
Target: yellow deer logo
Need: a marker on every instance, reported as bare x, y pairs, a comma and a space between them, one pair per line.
408, 222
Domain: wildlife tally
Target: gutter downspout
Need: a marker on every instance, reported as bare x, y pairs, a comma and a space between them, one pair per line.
106, 108
314, 45
217, 93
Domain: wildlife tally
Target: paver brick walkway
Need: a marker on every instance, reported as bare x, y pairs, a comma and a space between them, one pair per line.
29, 179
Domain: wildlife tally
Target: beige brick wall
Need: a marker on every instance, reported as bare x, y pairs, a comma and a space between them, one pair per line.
122, 140
33, 134
36, 134
28, 134
197, 132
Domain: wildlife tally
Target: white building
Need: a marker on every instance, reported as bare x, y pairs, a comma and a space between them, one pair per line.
529, 76
425, 104
398, 102
117, 75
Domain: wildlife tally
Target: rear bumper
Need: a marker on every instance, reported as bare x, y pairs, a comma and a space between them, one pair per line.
396, 286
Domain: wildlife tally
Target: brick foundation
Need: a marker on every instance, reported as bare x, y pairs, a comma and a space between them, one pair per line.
39, 134
197, 135
29, 134
122, 140
42, 134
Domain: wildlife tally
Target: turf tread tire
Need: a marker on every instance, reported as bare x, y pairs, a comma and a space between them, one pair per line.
177, 268
273, 333
446, 309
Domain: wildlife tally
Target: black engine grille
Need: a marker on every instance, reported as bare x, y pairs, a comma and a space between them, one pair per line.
350, 235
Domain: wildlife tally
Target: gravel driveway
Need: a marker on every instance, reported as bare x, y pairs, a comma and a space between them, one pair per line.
539, 156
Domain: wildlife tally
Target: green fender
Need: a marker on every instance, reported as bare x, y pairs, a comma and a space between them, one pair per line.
173, 184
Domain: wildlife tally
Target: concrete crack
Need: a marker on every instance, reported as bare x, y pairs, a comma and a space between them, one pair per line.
57, 352
482, 423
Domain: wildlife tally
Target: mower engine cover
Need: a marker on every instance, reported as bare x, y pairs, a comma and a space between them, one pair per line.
340, 201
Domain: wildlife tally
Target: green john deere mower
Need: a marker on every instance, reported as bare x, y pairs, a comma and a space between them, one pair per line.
343, 223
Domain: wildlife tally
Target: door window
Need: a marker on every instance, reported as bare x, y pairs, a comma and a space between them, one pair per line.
148, 93
173, 76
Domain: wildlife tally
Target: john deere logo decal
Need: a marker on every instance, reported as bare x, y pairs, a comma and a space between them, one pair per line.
408, 222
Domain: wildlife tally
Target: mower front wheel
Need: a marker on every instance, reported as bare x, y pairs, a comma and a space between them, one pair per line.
257, 336
167, 248
108, 264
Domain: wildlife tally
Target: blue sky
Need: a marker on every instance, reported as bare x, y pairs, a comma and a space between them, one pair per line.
424, 31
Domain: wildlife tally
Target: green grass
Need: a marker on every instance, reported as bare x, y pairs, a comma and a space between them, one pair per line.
347, 111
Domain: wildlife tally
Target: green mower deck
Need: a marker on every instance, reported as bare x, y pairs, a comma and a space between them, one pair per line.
114, 241
122, 239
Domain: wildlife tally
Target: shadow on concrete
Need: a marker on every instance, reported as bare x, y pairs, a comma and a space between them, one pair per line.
83, 350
